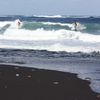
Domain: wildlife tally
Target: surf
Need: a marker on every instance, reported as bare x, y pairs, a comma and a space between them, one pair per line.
39, 38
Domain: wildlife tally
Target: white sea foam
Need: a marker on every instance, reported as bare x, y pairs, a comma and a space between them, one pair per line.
3, 23
16, 24
53, 40
41, 34
61, 24
13, 24
48, 16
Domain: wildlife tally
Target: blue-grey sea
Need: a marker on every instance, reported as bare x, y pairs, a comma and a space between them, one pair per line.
52, 42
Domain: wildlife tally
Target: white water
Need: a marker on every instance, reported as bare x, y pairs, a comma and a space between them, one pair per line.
52, 40
5, 23
71, 26
48, 16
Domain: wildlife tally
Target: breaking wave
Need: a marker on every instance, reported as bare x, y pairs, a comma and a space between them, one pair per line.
48, 16
40, 38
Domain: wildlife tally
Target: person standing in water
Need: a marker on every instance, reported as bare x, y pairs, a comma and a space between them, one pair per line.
75, 26
18, 23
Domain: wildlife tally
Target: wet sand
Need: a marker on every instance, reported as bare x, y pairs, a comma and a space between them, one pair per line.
22, 83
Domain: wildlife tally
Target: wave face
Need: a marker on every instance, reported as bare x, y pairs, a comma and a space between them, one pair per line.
52, 34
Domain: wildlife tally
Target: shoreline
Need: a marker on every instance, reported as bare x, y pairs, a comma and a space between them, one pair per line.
26, 83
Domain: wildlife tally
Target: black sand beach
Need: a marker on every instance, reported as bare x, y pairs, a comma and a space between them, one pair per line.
22, 83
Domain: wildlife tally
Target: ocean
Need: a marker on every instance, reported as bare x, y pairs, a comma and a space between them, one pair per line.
51, 42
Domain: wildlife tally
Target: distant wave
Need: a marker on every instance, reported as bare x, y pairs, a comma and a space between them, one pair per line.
48, 16
66, 16
78, 16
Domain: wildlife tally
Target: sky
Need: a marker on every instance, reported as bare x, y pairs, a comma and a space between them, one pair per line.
50, 7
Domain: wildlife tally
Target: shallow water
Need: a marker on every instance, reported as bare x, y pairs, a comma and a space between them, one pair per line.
87, 67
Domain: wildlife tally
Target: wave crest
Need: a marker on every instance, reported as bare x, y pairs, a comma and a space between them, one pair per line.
48, 16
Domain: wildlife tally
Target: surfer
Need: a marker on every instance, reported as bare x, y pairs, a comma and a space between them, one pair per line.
19, 23
75, 26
